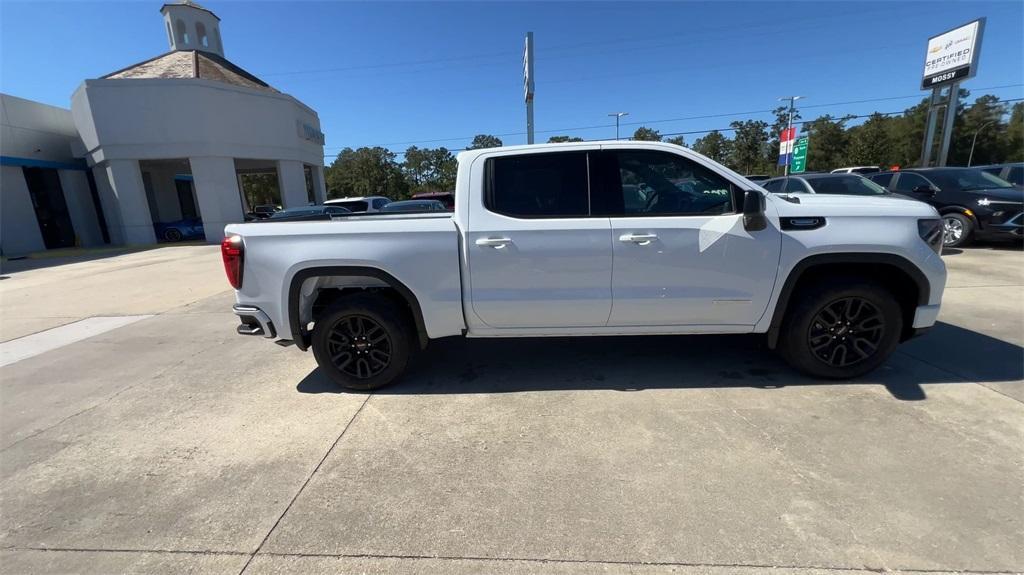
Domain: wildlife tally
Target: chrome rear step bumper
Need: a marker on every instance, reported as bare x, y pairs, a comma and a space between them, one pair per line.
254, 321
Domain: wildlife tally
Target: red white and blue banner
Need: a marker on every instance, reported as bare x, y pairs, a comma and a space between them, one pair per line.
786, 140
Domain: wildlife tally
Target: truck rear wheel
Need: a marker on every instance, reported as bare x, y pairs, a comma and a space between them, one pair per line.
362, 342
841, 328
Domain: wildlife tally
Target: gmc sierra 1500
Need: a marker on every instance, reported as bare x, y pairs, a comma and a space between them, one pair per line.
596, 238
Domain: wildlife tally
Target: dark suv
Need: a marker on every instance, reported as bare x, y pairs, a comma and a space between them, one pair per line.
973, 204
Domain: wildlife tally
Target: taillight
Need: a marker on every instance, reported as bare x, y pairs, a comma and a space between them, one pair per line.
233, 252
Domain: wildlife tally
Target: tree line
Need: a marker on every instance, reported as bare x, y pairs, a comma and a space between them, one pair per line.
881, 140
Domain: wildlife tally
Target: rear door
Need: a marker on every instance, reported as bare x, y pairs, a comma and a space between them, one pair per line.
681, 256
537, 259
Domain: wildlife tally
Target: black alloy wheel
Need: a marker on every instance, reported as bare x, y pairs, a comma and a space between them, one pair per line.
846, 331
359, 346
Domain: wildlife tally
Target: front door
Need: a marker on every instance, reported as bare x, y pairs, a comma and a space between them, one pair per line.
681, 256
536, 257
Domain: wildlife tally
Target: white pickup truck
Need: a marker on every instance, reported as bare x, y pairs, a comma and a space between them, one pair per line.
589, 239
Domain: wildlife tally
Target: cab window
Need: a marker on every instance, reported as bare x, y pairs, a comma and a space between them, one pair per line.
655, 183
538, 185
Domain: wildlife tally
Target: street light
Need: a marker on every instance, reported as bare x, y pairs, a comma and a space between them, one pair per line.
617, 116
975, 140
789, 125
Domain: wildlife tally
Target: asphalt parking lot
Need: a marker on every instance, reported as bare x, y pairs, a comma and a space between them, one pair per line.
171, 445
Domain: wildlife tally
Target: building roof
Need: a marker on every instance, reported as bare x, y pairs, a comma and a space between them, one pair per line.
191, 64
190, 4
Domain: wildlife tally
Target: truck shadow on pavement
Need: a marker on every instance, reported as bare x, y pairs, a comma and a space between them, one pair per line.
946, 354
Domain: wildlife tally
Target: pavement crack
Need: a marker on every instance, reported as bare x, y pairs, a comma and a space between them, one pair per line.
104, 550
305, 483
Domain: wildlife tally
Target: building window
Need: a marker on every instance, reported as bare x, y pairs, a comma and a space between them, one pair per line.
309, 184
216, 41
182, 33
201, 34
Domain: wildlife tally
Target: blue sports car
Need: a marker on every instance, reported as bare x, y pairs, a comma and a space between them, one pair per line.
186, 229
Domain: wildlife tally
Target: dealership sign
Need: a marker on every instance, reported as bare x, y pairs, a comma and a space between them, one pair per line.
953, 56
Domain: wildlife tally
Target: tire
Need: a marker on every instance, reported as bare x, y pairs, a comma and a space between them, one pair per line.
813, 333
352, 337
172, 235
958, 230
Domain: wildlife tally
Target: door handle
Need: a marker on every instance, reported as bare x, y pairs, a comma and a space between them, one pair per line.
639, 239
496, 243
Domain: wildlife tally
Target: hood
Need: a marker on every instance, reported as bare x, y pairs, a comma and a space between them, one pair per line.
1000, 194
840, 205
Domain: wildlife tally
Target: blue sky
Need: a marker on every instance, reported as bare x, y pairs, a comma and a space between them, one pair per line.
436, 73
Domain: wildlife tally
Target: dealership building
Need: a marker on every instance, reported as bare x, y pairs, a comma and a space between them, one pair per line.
168, 139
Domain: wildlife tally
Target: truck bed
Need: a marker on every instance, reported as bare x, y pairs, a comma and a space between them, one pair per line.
419, 250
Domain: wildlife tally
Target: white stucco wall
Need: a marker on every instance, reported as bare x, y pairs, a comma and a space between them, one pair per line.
35, 131
182, 118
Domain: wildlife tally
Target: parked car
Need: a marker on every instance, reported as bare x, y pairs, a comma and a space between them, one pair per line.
835, 284
265, 211
308, 213
846, 184
973, 203
363, 205
180, 230
446, 198
415, 206
1013, 173
857, 170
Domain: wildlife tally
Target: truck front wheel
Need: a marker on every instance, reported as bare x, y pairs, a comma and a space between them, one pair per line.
841, 328
362, 342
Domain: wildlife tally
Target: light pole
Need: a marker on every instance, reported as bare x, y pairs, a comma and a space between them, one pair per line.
617, 116
975, 140
789, 125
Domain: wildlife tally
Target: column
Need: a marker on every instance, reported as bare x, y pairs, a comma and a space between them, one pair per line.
83, 214
291, 179
108, 201
220, 201
126, 184
319, 185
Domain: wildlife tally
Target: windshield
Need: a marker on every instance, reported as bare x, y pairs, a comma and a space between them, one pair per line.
850, 185
967, 180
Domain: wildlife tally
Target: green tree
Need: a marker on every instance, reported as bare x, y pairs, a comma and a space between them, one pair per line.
713, 145
646, 135
678, 140
749, 146
906, 134
1015, 134
366, 172
828, 143
429, 169
869, 142
983, 118
560, 139
484, 141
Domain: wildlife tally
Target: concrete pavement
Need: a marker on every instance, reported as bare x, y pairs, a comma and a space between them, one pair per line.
173, 445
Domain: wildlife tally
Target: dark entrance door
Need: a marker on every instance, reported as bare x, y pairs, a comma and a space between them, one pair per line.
186, 199
51, 209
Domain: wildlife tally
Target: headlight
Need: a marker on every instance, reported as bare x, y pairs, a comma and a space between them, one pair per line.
931, 232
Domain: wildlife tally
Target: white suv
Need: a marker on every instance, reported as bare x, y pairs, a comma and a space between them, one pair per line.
361, 205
